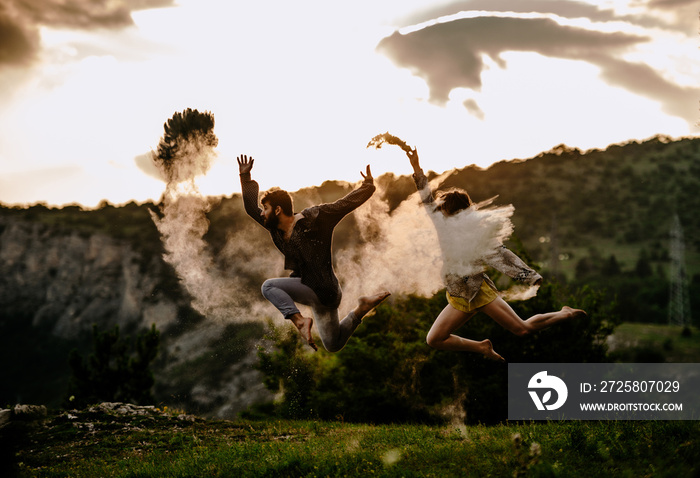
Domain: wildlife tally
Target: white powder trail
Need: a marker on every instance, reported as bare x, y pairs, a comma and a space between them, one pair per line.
412, 249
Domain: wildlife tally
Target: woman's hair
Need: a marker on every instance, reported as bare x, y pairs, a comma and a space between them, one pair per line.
452, 201
279, 197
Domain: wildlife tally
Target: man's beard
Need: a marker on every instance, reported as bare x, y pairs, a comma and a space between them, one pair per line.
272, 221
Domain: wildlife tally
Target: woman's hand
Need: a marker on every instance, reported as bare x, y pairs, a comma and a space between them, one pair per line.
413, 157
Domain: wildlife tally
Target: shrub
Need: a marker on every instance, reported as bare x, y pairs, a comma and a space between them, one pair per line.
113, 372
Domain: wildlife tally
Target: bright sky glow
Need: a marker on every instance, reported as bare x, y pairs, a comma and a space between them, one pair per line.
301, 87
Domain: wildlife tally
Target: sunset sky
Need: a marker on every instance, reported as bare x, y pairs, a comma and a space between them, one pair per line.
85, 86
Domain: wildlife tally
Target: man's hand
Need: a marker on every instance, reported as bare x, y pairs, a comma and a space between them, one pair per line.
413, 158
245, 164
368, 175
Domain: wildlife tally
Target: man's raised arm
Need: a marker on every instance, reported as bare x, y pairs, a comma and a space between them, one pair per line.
352, 200
249, 189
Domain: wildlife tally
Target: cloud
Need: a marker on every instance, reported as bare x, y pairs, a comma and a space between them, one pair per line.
643, 80
671, 4
145, 163
20, 21
562, 8
472, 106
685, 13
17, 43
73, 14
449, 55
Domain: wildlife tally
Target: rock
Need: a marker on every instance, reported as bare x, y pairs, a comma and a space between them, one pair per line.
5, 416
125, 409
68, 281
28, 413
16, 425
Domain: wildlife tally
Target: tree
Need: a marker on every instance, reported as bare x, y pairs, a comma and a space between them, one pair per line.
113, 372
643, 266
584, 268
611, 267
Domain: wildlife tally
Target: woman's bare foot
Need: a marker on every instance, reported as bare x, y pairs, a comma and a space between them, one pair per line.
367, 303
303, 325
574, 313
489, 353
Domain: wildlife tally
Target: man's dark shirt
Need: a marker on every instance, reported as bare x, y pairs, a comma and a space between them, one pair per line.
307, 253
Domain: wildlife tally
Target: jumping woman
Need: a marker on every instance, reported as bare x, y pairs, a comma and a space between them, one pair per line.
469, 294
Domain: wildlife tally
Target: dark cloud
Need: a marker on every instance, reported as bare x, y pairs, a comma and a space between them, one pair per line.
17, 44
20, 20
449, 55
670, 4
80, 14
645, 81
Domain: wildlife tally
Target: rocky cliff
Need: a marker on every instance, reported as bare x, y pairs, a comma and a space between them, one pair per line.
69, 281
57, 281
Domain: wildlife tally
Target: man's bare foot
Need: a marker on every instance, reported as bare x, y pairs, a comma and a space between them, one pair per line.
303, 325
367, 303
574, 313
489, 353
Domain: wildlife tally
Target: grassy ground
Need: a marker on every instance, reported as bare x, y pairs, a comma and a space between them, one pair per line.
161, 443
99, 442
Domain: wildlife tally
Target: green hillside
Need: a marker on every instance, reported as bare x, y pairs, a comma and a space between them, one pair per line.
631, 342
613, 202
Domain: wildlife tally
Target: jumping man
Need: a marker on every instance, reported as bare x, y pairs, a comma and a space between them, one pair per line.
305, 238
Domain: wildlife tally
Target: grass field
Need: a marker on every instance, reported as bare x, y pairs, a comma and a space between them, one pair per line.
161, 443
99, 442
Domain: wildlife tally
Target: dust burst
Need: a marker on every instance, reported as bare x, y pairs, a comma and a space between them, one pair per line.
186, 152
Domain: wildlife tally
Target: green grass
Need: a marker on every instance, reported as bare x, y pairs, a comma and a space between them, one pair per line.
91, 444
666, 341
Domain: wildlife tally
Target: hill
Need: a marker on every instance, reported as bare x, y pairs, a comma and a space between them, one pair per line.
590, 218
619, 201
